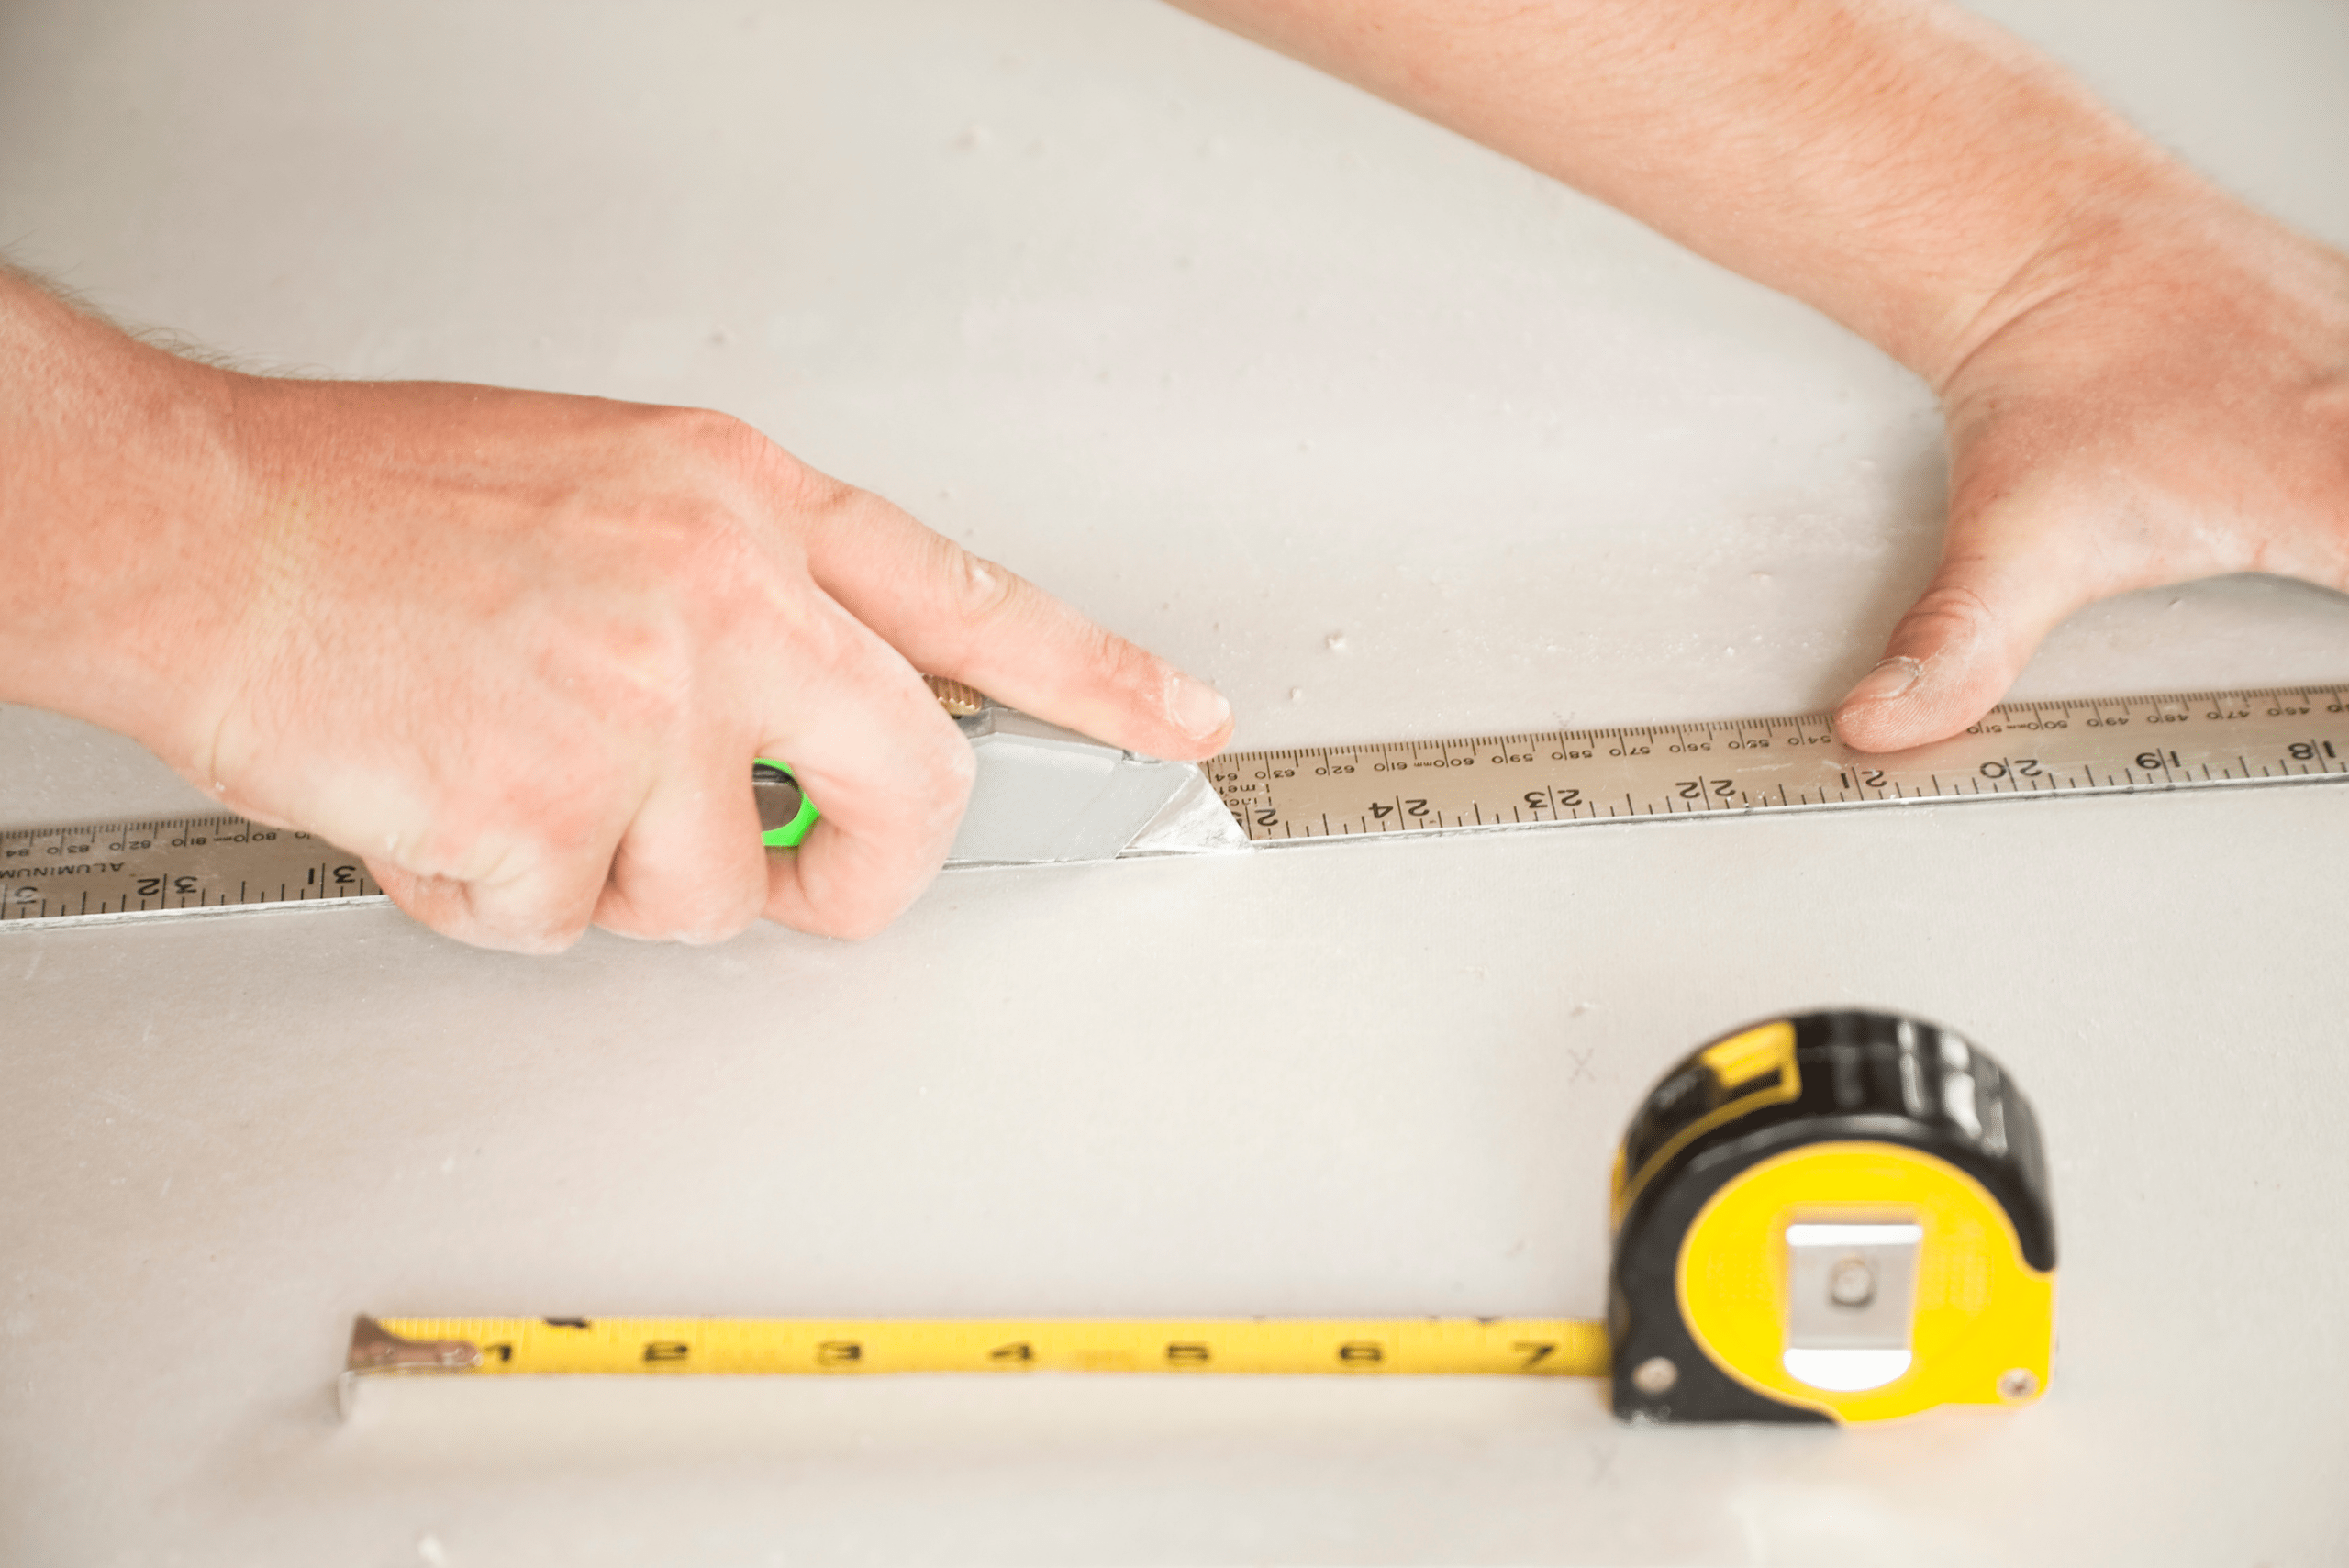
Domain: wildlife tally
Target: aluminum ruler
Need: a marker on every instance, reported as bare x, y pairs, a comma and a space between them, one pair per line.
1641, 772
2194, 740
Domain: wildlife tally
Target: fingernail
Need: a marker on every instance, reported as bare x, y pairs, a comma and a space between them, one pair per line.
1889, 679
1196, 709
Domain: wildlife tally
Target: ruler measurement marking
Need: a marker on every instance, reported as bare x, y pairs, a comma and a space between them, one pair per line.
1532, 779
2039, 747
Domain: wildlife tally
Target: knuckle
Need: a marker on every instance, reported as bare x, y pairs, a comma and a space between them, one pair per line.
700, 927
837, 913
634, 658
543, 941
713, 933
974, 590
789, 484
978, 590
476, 876
1125, 665
705, 431
721, 916
739, 451
796, 487
920, 822
1947, 611
957, 764
546, 829
453, 851
942, 775
856, 924
533, 929
986, 591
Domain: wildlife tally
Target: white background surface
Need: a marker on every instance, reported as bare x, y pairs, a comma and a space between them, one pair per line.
1235, 359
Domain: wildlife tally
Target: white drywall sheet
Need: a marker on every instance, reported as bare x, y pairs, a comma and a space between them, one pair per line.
1236, 360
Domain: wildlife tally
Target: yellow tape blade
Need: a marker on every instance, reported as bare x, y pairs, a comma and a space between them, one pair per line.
1540, 1347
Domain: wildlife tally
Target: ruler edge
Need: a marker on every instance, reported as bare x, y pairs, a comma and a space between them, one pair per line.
1804, 808
2337, 690
191, 912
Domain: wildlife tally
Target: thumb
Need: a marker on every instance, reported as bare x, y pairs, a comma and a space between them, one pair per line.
1960, 645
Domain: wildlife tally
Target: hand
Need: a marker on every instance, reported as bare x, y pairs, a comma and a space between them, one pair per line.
2145, 382
2166, 401
519, 650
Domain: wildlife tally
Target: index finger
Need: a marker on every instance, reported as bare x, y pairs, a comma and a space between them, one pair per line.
954, 614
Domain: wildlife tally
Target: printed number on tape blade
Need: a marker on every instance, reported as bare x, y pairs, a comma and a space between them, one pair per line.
1834, 1216
1045, 795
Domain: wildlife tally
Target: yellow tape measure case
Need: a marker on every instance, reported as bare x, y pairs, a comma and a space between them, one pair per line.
1840, 1216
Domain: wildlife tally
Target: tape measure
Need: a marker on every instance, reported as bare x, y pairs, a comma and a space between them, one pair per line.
206, 866
1836, 1217
1841, 1216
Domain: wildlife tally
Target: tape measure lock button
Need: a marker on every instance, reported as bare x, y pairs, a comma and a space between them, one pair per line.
1840, 1216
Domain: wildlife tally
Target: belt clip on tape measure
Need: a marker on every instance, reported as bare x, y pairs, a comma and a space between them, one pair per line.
1840, 1216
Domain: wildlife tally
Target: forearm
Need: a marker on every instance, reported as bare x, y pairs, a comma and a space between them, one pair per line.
1912, 171
113, 471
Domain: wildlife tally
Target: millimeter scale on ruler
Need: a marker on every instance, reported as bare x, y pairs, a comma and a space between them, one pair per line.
2198, 741
2097, 746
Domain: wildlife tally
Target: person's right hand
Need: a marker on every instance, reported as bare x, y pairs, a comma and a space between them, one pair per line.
519, 651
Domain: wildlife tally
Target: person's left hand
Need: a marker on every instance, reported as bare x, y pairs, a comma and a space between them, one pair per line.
2165, 400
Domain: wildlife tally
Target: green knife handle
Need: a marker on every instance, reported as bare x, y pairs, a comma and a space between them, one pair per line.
784, 811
